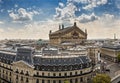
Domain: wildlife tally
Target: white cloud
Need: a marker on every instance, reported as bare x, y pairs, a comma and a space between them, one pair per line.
79, 1
67, 12
61, 4
34, 12
87, 18
94, 3
1, 22
22, 15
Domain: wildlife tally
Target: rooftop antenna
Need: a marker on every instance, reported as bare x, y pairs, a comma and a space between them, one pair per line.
114, 36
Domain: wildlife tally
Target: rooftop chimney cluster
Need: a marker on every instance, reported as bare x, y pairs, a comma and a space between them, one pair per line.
61, 27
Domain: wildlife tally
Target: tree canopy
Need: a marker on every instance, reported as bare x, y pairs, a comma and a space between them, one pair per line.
66, 81
101, 78
118, 57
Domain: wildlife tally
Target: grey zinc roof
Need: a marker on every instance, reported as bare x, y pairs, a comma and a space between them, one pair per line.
114, 47
61, 61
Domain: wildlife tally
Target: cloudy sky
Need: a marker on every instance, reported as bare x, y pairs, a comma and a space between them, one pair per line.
32, 19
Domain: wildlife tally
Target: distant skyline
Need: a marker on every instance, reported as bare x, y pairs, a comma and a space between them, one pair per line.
32, 19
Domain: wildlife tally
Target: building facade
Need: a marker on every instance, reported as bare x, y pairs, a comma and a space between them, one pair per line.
93, 53
110, 52
71, 34
26, 66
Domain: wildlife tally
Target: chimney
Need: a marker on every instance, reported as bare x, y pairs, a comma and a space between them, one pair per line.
50, 31
62, 26
114, 36
74, 23
59, 27
86, 31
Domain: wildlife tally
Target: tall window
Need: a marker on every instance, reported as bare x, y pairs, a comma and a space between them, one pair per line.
37, 81
27, 73
21, 71
17, 71
76, 73
54, 81
16, 76
27, 80
65, 74
43, 81
48, 81
54, 74
59, 74
81, 79
21, 78
37, 73
80, 72
76, 80
70, 80
10, 73
59, 81
42, 74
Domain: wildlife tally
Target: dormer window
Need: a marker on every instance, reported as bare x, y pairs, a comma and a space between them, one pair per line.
21, 72
21, 78
27, 73
16, 76
17, 71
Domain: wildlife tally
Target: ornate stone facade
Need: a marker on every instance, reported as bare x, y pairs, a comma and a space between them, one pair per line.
45, 69
71, 34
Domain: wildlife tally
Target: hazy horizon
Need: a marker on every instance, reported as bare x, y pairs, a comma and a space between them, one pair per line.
32, 19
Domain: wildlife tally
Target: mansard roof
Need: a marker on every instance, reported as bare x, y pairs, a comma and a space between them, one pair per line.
23, 64
61, 61
67, 29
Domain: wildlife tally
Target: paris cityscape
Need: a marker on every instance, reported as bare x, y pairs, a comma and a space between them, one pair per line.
59, 41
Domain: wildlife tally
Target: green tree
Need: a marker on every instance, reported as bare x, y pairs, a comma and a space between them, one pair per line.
66, 81
101, 78
118, 57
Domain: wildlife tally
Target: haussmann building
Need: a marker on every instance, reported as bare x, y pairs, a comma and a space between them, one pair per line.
26, 66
